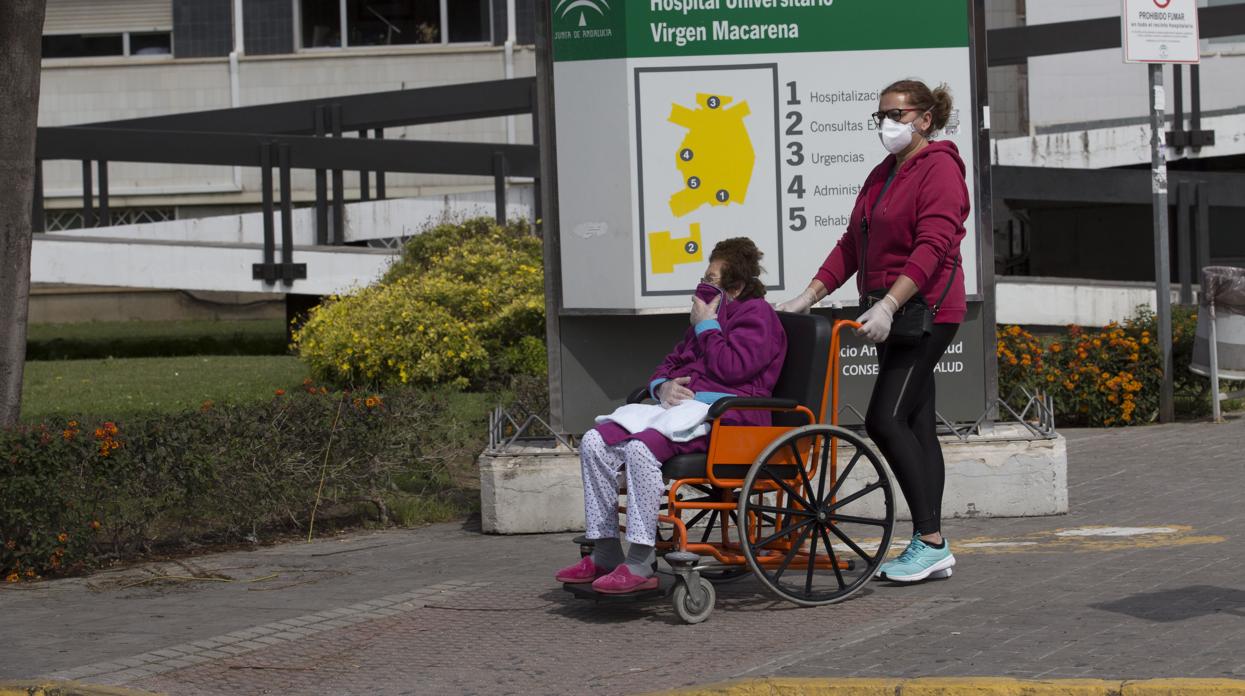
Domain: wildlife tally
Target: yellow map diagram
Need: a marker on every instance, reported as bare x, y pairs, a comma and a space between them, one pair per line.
669, 251
716, 160
716, 157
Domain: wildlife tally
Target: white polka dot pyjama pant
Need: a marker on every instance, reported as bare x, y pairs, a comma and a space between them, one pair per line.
645, 488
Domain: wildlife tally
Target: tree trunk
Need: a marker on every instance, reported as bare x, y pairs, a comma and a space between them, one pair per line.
21, 41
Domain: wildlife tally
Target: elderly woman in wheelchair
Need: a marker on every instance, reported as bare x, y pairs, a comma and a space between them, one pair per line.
734, 347
775, 488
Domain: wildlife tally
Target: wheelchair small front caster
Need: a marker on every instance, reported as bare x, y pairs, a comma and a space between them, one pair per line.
693, 596
694, 604
585, 545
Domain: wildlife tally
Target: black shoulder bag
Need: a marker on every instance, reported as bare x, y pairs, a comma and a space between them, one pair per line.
915, 319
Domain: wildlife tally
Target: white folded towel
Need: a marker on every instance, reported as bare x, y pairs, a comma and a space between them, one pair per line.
681, 422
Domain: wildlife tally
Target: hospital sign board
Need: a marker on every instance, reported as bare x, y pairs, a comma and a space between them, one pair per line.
680, 123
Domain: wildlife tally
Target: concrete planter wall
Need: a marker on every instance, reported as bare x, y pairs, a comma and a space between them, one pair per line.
1003, 473
528, 490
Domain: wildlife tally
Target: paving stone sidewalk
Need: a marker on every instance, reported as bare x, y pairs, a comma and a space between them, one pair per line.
1142, 579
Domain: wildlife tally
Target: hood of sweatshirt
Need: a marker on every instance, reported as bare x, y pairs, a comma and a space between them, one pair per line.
936, 148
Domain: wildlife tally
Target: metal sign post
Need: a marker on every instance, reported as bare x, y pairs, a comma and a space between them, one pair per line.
1158, 32
1162, 247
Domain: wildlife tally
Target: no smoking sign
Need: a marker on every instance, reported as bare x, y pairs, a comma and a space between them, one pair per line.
1160, 31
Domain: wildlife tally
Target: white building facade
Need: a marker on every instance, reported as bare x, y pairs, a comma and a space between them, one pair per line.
120, 59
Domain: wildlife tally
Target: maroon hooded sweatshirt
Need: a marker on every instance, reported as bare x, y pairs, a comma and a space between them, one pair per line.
915, 230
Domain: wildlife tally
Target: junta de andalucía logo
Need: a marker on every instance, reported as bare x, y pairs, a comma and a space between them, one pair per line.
566, 7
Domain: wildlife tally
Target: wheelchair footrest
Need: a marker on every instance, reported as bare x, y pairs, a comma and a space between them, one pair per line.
665, 585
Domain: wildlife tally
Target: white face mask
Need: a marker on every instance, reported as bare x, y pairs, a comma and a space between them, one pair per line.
896, 136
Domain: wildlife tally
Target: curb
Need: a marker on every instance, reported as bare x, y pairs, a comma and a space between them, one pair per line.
972, 686
65, 688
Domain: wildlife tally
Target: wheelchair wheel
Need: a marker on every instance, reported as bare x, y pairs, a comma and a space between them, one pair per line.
816, 539
694, 607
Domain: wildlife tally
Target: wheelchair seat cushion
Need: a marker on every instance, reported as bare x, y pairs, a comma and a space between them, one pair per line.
684, 466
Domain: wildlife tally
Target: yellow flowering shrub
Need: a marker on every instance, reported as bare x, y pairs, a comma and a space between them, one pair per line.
464, 304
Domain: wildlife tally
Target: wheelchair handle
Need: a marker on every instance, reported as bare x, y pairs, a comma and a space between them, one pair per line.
830, 394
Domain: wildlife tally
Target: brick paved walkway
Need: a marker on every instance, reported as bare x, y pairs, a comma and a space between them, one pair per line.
1142, 579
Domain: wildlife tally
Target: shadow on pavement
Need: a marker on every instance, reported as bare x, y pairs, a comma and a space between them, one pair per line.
746, 596
1179, 604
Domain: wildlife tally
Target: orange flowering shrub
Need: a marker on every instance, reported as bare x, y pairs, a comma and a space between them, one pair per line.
1095, 378
46, 525
1101, 377
75, 494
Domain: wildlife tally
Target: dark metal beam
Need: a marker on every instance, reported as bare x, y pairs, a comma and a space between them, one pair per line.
88, 191
269, 270
1015, 45
1110, 186
1201, 230
1184, 241
365, 191
38, 219
379, 134
320, 119
287, 215
499, 187
306, 152
339, 185
105, 215
406, 107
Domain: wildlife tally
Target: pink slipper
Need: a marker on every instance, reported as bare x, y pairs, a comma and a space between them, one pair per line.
622, 581
584, 571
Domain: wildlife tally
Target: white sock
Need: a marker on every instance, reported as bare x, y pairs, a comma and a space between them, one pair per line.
640, 559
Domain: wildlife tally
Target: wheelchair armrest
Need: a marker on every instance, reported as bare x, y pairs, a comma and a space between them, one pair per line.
721, 406
638, 396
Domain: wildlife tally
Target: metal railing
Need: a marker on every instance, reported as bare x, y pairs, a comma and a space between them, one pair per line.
306, 134
519, 425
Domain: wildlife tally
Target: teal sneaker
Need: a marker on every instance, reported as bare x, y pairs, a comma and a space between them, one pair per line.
918, 562
887, 565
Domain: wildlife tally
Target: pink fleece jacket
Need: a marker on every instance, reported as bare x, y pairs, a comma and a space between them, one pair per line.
915, 230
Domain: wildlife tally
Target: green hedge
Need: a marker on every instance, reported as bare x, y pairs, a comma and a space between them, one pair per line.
155, 339
74, 494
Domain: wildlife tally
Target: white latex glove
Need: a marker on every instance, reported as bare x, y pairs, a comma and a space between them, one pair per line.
799, 304
674, 391
876, 321
702, 311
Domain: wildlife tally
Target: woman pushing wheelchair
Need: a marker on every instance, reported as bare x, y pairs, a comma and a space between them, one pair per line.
734, 347
903, 246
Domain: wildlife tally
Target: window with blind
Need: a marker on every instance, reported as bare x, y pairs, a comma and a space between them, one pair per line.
393, 22
90, 28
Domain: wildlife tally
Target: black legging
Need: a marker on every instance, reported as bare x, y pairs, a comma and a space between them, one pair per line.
902, 422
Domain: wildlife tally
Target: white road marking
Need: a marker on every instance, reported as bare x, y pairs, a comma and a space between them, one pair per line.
1115, 531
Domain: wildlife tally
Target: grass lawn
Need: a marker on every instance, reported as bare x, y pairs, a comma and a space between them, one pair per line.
121, 339
115, 388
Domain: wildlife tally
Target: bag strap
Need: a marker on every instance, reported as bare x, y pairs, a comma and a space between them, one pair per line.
943, 296
864, 232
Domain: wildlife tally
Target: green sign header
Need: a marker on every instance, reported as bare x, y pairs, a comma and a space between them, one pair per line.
601, 29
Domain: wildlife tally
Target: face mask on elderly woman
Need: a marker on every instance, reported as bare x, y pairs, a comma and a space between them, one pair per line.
708, 292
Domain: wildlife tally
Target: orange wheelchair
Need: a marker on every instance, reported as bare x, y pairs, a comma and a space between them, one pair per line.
804, 506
